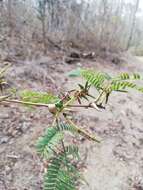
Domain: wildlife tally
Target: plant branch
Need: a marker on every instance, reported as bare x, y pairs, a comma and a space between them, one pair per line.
51, 107
81, 131
80, 106
90, 105
27, 103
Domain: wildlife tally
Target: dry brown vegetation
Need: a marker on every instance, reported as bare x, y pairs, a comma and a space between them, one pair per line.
29, 27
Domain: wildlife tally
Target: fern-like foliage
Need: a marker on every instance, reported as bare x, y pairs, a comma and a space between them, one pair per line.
37, 97
48, 144
96, 79
104, 82
127, 76
125, 81
122, 85
61, 173
66, 127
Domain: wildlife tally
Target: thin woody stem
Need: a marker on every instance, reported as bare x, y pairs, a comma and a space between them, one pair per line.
80, 106
81, 131
42, 104
27, 103
37, 104
99, 97
90, 105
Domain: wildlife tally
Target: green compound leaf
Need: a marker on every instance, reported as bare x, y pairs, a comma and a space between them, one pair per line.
48, 144
61, 173
127, 76
96, 79
37, 97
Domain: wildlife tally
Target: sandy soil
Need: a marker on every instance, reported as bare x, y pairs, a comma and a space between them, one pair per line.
114, 164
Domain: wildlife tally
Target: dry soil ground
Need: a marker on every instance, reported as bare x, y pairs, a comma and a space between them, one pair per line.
114, 164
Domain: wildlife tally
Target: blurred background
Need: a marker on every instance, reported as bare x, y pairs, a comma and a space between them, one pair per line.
106, 25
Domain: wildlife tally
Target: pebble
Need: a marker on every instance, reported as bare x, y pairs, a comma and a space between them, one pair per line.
25, 126
4, 140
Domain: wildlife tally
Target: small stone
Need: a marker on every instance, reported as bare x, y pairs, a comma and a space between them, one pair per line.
25, 126
4, 140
